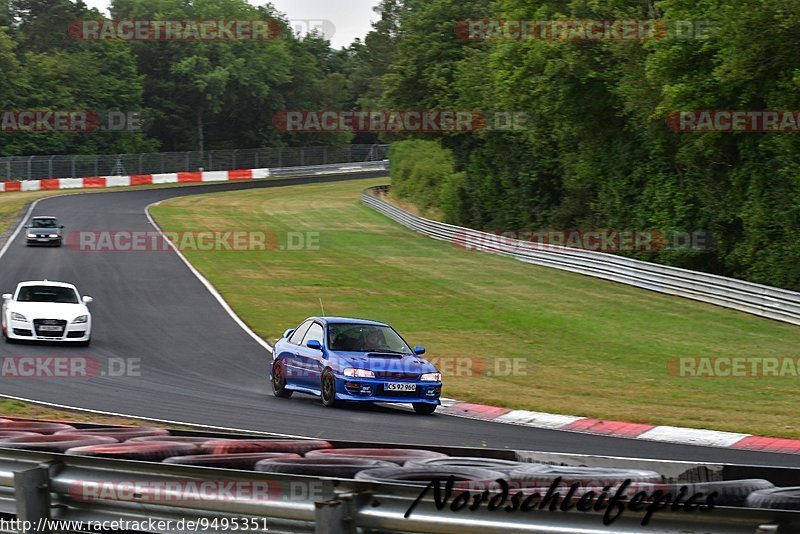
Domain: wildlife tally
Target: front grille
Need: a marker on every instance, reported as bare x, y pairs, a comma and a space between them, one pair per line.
397, 375
39, 323
381, 392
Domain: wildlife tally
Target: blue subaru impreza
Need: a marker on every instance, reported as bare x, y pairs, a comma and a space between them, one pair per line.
342, 359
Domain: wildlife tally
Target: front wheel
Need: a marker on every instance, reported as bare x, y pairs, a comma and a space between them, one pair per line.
279, 382
424, 408
329, 390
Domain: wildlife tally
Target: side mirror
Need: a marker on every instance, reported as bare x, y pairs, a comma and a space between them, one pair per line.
288, 333
419, 351
87, 299
27, 226
62, 226
6, 296
314, 344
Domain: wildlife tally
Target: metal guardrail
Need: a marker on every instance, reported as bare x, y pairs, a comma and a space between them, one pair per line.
765, 301
36, 486
81, 166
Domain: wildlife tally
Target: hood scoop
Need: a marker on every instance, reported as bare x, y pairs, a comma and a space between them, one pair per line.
385, 355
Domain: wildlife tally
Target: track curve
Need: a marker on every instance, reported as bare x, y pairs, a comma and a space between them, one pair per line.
199, 366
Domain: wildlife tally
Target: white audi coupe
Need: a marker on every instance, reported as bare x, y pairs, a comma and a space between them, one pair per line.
46, 311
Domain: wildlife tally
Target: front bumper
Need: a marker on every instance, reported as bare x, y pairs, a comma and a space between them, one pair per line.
20, 330
375, 390
43, 240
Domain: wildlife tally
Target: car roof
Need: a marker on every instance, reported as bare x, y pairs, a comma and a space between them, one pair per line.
347, 320
45, 283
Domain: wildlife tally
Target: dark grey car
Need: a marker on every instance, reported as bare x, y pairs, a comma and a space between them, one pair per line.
43, 231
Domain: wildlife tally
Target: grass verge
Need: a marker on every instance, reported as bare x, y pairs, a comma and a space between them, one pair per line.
589, 347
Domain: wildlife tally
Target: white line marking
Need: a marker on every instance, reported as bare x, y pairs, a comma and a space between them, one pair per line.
22, 222
536, 419
209, 286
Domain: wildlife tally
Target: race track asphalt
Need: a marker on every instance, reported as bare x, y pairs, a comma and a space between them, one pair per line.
199, 366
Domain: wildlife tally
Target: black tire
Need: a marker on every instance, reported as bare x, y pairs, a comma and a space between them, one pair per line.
9, 340
232, 446
729, 492
503, 466
328, 390
279, 382
84, 343
121, 433
775, 498
423, 408
321, 467
397, 456
245, 461
55, 442
542, 475
422, 476
146, 451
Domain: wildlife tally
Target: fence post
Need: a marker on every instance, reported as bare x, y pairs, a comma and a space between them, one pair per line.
32, 494
96, 172
255, 165
141, 163
302, 156
233, 160
186, 164
8, 168
30, 164
72, 171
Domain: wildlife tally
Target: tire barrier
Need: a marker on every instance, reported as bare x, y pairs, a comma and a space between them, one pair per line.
324, 467
542, 475
17, 434
422, 476
121, 433
503, 466
297, 446
37, 426
151, 451
775, 498
397, 456
55, 442
199, 440
244, 460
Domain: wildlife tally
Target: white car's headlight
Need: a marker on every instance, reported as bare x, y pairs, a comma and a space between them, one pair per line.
431, 377
18, 317
53, 235
31, 235
359, 373
80, 319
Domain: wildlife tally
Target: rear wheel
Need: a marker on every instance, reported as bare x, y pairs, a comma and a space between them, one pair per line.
424, 408
329, 390
279, 382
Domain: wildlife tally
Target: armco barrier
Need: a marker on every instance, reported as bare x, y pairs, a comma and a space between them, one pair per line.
765, 301
37, 486
100, 182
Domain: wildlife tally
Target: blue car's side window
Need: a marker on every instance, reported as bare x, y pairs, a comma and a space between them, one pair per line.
314, 332
297, 337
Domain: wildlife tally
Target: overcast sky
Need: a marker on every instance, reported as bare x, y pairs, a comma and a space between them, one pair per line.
351, 18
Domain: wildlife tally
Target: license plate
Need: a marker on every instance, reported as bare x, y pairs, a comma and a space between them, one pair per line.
399, 386
50, 328
43, 239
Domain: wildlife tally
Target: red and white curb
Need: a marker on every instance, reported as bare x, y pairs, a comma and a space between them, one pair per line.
102, 182
620, 429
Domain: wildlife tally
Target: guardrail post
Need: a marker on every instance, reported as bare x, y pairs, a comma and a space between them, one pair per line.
334, 515
32, 494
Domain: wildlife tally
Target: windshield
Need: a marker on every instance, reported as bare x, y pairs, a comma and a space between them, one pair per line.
365, 338
62, 295
44, 223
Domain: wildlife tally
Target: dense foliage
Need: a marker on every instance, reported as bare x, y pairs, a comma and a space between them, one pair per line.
595, 153
598, 153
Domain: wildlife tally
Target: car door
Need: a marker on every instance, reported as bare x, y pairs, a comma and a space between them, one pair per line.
290, 356
310, 359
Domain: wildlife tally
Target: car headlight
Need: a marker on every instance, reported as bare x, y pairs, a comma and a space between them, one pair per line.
18, 317
431, 377
80, 319
31, 235
53, 235
359, 373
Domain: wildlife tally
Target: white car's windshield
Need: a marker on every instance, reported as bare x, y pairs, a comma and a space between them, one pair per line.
62, 295
365, 338
44, 223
